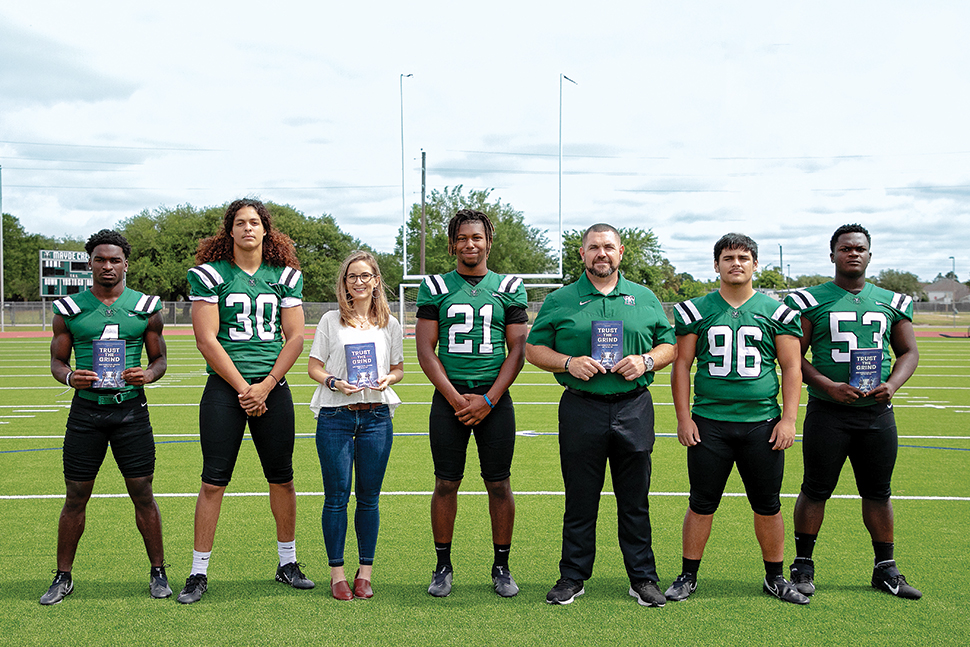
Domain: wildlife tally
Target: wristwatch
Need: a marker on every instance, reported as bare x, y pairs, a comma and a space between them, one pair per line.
647, 362
332, 382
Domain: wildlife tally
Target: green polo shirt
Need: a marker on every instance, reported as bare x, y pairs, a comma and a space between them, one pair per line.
565, 324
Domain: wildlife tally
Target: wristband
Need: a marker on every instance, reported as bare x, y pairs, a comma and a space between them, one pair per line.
273, 376
68, 380
488, 402
566, 365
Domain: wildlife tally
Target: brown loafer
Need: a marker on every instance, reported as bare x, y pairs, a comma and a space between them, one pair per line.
341, 590
362, 588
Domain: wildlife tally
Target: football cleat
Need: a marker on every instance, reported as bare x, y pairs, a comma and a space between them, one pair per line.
441, 582
158, 583
782, 589
195, 586
647, 593
505, 586
803, 576
565, 591
683, 586
61, 587
886, 577
292, 575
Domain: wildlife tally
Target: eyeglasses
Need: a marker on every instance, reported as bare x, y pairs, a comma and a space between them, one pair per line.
363, 278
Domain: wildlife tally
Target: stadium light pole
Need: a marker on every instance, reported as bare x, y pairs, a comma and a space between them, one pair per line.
953, 259
404, 209
561, 250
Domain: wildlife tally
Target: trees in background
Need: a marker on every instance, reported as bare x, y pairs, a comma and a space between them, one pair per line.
517, 248
164, 242
902, 282
21, 259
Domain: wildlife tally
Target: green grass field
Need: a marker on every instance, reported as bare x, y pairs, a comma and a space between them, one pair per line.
244, 606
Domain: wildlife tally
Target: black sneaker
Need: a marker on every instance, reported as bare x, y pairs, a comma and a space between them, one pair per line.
441, 581
803, 576
565, 591
195, 586
683, 586
62, 587
505, 586
782, 589
647, 593
158, 583
292, 575
885, 577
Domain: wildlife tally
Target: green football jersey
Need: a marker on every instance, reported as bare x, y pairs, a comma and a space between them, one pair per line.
843, 322
735, 379
88, 319
471, 321
249, 310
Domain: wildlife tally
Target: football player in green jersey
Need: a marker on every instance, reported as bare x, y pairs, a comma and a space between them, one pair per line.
471, 315
737, 335
247, 316
844, 421
108, 312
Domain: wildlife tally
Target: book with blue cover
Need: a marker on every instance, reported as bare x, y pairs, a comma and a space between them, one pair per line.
607, 343
362, 364
108, 361
865, 368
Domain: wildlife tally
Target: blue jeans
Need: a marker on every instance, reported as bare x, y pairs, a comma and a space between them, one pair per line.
347, 438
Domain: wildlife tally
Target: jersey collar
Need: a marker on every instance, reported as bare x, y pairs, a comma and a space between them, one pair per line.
623, 286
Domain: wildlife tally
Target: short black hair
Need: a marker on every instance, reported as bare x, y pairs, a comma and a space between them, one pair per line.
469, 215
735, 241
108, 237
599, 228
849, 229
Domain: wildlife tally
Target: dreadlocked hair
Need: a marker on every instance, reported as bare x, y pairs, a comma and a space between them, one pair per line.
379, 308
469, 215
278, 249
108, 237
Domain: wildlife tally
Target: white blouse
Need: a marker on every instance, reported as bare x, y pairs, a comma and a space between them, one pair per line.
328, 347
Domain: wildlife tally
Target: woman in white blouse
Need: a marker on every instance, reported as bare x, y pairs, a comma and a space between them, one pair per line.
357, 354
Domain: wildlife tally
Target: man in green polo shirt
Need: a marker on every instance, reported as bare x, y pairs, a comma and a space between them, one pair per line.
606, 411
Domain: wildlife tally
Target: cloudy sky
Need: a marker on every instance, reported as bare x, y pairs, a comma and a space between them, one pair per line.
779, 120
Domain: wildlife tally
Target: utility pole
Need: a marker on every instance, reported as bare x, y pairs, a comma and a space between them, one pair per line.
781, 263
423, 177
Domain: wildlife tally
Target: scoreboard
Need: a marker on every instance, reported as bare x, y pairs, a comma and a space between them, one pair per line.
63, 273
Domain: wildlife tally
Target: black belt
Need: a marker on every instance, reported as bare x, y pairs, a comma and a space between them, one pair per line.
607, 397
109, 398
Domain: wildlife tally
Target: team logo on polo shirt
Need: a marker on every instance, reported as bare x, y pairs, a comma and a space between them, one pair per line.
629, 299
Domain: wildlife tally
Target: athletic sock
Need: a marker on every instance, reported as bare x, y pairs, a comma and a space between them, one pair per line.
502, 554
691, 566
287, 552
200, 562
773, 569
883, 551
443, 550
804, 545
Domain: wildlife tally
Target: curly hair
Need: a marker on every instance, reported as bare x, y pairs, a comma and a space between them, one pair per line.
108, 237
469, 215
278, 249
848, 229
379, 308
